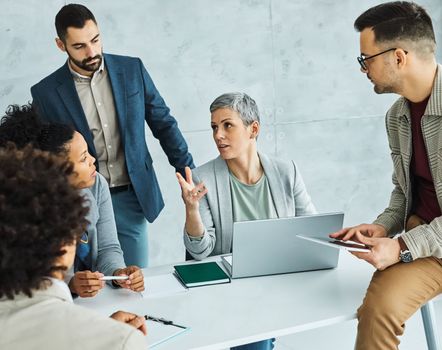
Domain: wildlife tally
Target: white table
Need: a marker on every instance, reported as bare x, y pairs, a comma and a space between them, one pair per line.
250, 309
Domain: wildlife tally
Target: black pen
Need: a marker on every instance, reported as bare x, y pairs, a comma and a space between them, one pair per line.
163, 321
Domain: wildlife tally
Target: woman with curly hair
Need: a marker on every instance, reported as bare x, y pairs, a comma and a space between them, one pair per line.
98, 252
42, 218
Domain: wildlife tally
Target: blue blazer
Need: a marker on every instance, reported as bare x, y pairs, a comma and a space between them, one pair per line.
136, 101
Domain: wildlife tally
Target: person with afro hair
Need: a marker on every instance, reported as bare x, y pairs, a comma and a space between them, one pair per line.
42, 218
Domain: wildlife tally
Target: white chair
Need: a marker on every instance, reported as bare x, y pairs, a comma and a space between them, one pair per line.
430, 327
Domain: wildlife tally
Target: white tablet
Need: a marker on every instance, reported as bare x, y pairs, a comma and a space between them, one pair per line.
337, 243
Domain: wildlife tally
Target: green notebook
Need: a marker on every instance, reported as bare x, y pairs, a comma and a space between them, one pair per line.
194, 275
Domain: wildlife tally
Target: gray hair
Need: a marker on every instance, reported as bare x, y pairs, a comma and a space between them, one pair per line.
239, 102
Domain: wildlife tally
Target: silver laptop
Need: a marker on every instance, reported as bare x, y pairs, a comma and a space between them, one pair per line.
267, 247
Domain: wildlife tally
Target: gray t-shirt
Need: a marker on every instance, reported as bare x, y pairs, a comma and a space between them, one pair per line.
251, 202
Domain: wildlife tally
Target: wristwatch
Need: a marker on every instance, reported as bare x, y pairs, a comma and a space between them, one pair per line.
404, 255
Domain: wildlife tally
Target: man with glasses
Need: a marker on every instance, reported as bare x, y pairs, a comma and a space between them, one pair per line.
361, 59
398, 56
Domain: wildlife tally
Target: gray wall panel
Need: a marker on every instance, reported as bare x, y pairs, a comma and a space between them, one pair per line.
296, 58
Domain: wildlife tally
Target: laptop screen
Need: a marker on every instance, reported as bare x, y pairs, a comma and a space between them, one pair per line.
264, 247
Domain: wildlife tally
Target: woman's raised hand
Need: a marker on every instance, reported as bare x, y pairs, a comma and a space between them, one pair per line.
190, 192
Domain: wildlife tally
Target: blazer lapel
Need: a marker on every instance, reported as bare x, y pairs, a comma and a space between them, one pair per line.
405, 144
69, 96
275, 184
118, 84
225, 209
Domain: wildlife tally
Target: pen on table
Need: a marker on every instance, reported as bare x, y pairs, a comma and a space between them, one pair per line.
113, 278
163, 321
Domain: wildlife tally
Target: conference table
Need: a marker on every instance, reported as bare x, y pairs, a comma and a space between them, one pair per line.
248, 309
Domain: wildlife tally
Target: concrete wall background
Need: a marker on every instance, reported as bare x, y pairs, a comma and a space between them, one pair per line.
296, 58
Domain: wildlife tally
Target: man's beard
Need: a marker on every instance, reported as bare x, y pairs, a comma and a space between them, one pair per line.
390, 84
384, 89
85, 65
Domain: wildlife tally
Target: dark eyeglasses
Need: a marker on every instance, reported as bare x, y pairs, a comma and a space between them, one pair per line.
362, 58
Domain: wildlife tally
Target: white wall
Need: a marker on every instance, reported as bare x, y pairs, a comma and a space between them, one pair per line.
296, 58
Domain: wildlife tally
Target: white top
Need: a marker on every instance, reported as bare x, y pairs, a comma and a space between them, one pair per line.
49, 320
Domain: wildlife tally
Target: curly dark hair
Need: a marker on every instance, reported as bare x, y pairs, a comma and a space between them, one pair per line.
40, 213
22, 126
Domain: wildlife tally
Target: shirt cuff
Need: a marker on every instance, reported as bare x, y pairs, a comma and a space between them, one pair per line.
195, 238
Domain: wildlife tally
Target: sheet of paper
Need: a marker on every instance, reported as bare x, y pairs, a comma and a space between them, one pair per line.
158, 333
162, 285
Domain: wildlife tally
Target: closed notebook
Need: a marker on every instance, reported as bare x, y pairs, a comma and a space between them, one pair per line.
194, 275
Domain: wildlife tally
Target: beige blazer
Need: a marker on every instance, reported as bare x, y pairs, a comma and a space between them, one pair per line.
49, 320
424, 240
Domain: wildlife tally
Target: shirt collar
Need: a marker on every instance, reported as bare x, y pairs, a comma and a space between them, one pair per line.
58, 289
50, 287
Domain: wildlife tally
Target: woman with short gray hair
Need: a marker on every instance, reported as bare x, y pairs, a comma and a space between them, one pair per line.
239, 102
240, 184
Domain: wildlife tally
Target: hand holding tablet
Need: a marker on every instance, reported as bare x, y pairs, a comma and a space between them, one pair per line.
351, 246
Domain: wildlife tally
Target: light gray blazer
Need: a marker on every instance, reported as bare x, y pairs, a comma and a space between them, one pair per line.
286, 186
106, 253
49, 320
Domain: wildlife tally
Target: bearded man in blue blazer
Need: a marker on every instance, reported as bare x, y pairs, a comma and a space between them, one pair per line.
108, 99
